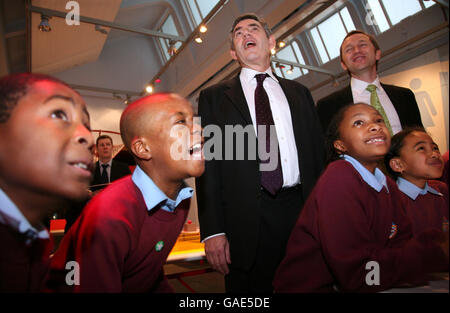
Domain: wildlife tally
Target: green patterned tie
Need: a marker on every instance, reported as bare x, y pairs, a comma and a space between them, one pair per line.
375, 102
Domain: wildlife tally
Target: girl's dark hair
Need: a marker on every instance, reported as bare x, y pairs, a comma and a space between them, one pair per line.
13, 87
332, 133
397, 142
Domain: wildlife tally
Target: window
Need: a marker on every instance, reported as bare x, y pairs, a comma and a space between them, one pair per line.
387, 13
199, 9
168, 27
339, 24
293, 54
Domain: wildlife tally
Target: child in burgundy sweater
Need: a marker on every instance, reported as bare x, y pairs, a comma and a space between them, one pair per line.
352, 234
125, 233
45, 160
415, 161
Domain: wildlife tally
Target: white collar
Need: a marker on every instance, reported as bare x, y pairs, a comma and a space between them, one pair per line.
248, 74
11, 215
360, 86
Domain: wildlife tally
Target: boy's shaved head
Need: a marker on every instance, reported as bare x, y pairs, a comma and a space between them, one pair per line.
137, 118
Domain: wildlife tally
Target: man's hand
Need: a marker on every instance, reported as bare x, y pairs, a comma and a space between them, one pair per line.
217, 250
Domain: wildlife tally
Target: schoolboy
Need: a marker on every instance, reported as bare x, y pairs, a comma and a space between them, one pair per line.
124, 235
45, 160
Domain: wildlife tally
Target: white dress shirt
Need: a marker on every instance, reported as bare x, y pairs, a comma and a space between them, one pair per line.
282, 118
360, 94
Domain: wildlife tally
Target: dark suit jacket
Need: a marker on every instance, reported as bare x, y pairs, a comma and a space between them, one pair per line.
118, 170
228, 192
403, 100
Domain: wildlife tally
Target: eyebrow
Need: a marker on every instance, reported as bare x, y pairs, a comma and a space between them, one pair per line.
238, 28
65, 98
68, 99
424, 142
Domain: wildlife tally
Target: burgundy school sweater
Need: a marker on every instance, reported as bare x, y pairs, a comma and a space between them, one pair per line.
428, 210
345, 224
120, 246
23, 267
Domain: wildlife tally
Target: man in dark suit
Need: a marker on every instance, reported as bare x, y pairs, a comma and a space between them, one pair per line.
359, 57
113, 169
245, 226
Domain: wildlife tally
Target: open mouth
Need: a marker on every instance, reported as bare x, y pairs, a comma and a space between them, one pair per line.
376, 140
195, 149
249, 44
83, 166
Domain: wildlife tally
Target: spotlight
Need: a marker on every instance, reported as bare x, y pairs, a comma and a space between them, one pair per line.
198, 39
172, 50
149, 89
281, 44
44, 26
203, 29
273, 51
290, 70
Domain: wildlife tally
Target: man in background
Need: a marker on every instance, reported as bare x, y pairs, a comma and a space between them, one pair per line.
106, 169
360, 54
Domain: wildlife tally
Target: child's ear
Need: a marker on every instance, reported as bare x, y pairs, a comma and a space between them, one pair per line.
396, 165
141, 149
339, 146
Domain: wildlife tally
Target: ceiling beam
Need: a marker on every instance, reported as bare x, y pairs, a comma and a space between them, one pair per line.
94, 21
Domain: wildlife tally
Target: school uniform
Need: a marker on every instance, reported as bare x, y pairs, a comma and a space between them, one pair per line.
353, 217
427, 207
24, 250
122, 238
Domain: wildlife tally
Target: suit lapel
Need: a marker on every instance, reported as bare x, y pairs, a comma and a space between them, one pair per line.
237, 98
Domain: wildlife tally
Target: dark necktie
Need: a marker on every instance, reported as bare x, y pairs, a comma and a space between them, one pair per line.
272, 180
104, 178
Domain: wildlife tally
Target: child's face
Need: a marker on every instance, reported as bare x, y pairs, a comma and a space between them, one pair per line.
420, 158
363, 135
46, 145
172, 139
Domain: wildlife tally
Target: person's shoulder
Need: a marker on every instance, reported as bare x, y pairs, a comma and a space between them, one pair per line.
339, 173
397, 89
115, 201
220, 86
334, 95
439, 186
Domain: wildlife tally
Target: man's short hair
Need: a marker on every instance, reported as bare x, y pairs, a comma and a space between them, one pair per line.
103, 137
15, 86
354, 32
248, 16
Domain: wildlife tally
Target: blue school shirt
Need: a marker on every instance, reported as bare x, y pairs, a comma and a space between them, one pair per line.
413, 191
10, 215
153, 196
377, 180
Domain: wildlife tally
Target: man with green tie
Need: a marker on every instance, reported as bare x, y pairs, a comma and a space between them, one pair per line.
360, 54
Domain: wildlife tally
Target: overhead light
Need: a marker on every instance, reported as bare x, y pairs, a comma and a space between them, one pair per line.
172, 50
157, 80
281, 44
127, 100
44, 25
290, 70
273, 51
198, 39
149, 88
203, 29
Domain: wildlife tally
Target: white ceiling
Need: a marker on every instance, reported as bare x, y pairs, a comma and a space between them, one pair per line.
66, 46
